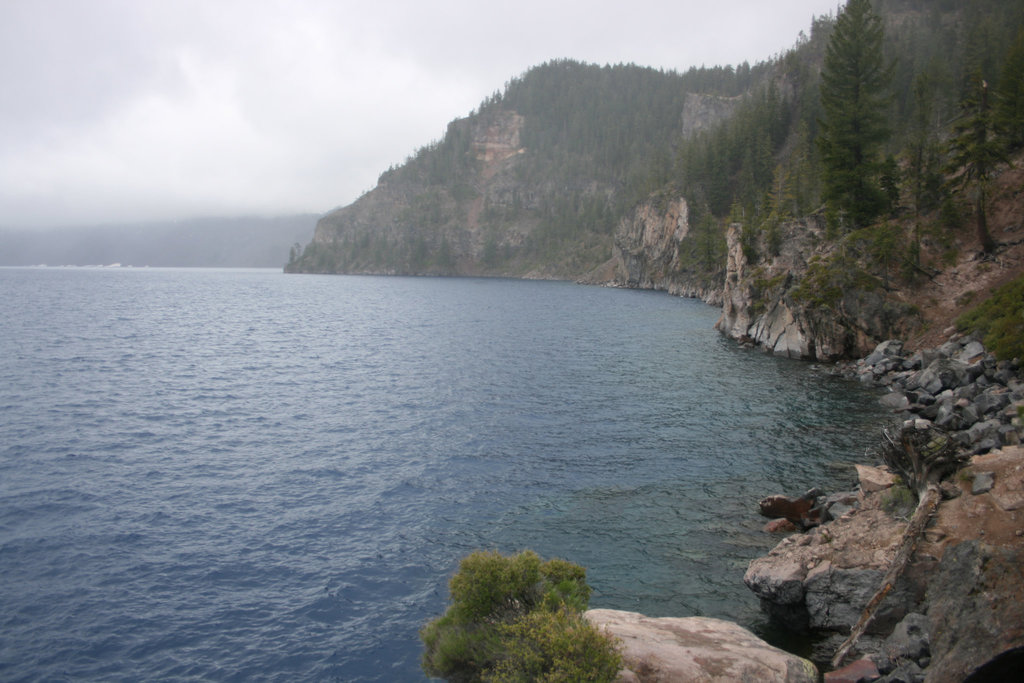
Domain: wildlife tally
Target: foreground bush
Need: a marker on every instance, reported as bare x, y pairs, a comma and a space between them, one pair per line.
517, 619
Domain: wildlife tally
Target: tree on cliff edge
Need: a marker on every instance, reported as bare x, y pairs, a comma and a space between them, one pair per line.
855, 98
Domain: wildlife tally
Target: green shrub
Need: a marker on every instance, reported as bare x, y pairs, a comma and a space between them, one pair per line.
554, 646
1000, 318
898, 500
517, 619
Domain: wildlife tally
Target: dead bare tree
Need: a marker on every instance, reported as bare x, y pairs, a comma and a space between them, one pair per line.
923, 457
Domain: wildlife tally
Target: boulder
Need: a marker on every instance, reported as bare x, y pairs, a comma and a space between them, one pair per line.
890, 349
836, 597
696, 649
971, 350
991, 402
804, 511
942, 374
874, 478
895, 400
780, 582
908, 641
989, 429
855, 672
839, 504
983, 483
780, 525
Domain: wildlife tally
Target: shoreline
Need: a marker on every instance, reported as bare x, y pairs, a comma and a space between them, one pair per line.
817, 582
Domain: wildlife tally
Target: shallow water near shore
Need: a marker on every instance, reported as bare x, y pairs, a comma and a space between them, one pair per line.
243, 475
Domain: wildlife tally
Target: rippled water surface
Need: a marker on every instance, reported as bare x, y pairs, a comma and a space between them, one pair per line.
243, 475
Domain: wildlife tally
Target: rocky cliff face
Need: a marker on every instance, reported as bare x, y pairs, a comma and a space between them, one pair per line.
649, 249
703, 111
792, 300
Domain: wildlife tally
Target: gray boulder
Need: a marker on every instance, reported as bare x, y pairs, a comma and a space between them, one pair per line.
991, 402
971, 350
942, 374
891, 350
983, 483
895, 400
836, 597
909, 640
989, 429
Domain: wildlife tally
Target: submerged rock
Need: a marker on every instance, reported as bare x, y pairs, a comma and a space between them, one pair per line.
696, 649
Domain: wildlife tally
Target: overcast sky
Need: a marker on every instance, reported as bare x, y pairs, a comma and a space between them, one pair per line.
134, 110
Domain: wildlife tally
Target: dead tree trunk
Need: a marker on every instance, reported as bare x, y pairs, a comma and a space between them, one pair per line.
922, 457
925, 509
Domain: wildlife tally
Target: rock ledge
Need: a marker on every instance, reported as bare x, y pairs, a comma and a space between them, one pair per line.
696, 649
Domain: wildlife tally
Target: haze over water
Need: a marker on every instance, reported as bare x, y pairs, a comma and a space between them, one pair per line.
242, 475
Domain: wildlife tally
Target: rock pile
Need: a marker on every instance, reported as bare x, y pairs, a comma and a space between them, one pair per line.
958, 387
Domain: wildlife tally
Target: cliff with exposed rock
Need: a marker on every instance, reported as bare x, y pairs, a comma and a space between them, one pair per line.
654, 248
787, 301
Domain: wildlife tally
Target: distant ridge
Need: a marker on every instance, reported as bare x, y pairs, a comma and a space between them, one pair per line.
236, 242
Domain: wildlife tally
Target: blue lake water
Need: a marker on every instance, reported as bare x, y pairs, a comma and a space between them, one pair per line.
244, 475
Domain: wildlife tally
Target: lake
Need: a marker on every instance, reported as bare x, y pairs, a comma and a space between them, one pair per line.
244, 475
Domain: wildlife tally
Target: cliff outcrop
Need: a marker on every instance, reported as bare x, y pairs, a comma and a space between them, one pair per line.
703, 111
791, 295
650, 252
534, 183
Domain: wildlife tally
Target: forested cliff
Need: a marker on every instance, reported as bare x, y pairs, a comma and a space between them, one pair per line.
811, 194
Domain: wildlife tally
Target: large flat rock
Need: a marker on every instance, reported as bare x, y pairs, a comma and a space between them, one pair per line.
696, 649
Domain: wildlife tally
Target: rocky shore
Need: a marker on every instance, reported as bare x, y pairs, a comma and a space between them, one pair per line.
957, 612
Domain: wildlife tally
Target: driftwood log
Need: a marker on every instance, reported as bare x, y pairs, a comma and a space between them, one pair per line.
922, 457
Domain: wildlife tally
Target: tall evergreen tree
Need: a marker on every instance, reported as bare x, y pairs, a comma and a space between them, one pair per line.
974, 153
855, 99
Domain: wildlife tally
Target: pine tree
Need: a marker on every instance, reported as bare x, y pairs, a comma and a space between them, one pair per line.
855, 99
974, 152
1010, 103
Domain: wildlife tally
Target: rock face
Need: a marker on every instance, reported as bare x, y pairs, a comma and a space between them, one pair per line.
976, 613
416, 223
647, 248
702, 111
780, 297
696, 649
